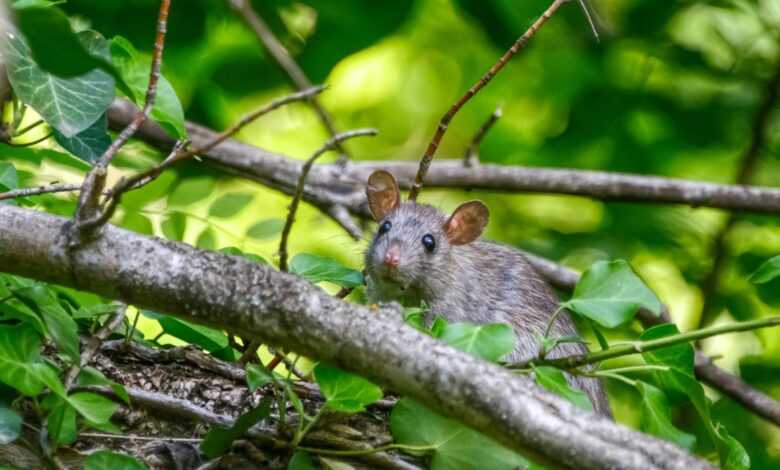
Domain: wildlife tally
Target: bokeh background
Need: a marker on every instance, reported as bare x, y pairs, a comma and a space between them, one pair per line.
671, 89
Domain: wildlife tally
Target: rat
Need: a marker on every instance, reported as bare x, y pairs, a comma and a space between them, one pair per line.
419, 254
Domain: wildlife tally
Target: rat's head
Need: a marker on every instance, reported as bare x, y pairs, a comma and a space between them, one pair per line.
414, 240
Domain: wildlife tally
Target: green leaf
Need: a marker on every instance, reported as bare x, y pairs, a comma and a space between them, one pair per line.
8, 177
316, 269
207, 240
229, 204
733, 454
301, 460
218, 440
91, 376
680, 356
69, 105
265, 229
553, 380
134, 69
191, 190
231, 250
10, 425
88, 144
174, 226
19, 355
92, 311
257, 375
205, 337
657, 420
610, 294
95, 408
344, 391
768, 270
61, 423
490, 342
55, 47
59, 325
453, 445
105, 459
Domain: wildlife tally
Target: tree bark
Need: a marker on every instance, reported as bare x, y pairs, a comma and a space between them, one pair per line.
283, 310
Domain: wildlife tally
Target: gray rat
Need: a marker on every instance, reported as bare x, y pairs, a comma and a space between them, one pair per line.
419, 254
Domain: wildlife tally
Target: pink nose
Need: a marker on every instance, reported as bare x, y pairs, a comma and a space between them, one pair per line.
392, 257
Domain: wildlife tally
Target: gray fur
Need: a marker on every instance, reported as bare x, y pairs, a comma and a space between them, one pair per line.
479, 282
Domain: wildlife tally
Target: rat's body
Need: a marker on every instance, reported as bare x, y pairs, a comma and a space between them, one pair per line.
463, 278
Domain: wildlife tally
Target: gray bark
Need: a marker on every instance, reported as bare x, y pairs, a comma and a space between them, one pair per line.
283, 310
330, 185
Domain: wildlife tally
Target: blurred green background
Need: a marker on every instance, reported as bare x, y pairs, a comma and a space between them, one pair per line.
671, 89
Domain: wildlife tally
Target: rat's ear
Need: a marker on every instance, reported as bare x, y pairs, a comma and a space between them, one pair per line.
383, 194
467, 223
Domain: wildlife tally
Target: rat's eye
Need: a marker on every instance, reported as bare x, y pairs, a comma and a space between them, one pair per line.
384, 227
429, 242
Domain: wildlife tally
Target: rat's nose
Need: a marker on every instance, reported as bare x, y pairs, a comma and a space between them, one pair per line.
392, 256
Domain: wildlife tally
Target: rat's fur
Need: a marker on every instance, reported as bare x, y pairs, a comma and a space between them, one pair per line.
478, 282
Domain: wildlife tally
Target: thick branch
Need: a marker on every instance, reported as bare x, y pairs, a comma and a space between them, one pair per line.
330, 186
283, 310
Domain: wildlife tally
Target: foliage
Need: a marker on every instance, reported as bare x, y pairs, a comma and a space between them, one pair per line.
675, 87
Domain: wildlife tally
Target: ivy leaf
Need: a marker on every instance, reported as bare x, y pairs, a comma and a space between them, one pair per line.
208, 338
656, 418
301, 460
103, 459
54, 45
733, 454
229, 204
232, 250
88, 144
553, 380
19, 355
134, 69
343, 391
768, 271
218, 440
69, 105
91, 376
257, 376
10, 425
680, 356
61, 423
265, 229
9, 180
453, 445
59, 324
95, 408
490, 342
316, 269
610, 294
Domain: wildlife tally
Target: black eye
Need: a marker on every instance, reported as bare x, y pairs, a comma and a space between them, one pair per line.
384, 227
429, 242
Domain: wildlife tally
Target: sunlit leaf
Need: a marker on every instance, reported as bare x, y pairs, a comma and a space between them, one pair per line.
229, 204
61, 423
95, 408
174, 226
134, 69
490, 342
19, 354
343, 391
610, 294
769, 270
191, 190
316, 269
265, 229
205, 337
207, 240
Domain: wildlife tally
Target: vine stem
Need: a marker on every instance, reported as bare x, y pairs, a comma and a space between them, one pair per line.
373, 450
444, 122
650, 345
302, 431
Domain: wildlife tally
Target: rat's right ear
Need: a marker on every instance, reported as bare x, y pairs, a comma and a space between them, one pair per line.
383, 194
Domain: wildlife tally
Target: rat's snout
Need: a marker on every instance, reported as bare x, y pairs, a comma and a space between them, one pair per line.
392, 256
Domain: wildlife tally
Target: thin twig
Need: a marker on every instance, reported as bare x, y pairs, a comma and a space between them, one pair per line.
93, 343
329, 145
637, 347
445, 120
284, 60
95, 180
49, 188
177, 154
471, 155
128, 437
748, 164
28, 128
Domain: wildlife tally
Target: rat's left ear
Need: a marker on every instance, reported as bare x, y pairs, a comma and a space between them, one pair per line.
466, 223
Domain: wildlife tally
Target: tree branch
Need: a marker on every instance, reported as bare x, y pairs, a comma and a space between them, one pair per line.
283, 310
471, 155
331, 186
49, 188
444, 122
